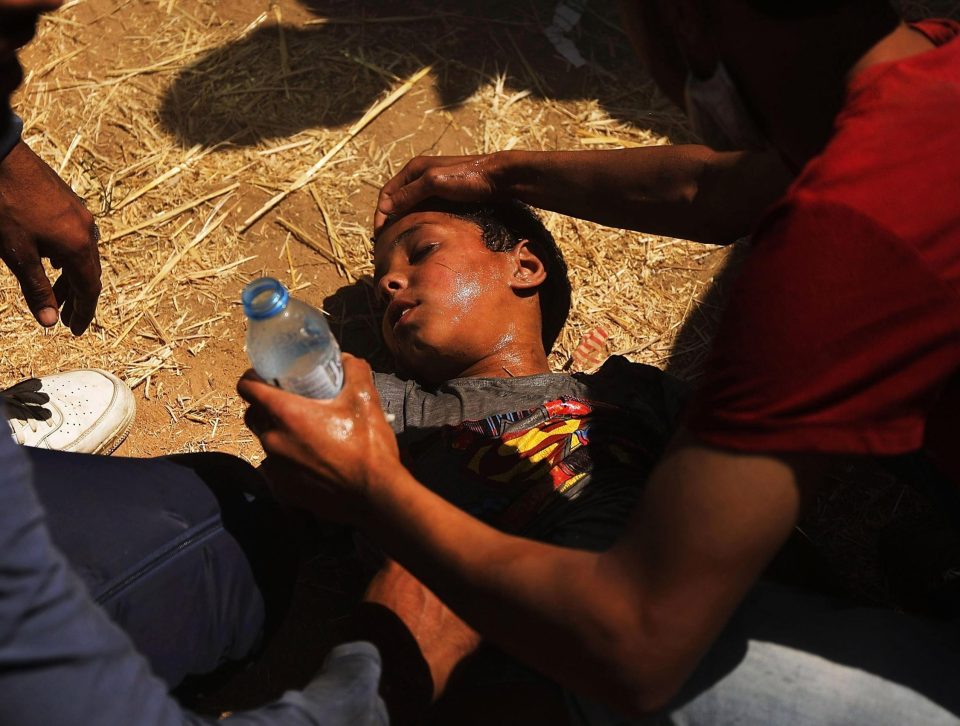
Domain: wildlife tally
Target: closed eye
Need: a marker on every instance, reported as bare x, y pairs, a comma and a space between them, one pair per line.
422, 251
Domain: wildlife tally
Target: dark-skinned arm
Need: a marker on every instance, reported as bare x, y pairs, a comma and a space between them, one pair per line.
627, 626
41, 217
690, 192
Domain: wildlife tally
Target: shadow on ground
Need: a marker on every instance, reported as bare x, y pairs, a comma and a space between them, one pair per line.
354, 316
693, 343
245, 92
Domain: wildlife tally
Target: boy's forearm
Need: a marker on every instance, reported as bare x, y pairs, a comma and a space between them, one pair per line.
689, 191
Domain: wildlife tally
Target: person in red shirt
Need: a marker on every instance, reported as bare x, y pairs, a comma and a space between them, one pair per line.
833, 138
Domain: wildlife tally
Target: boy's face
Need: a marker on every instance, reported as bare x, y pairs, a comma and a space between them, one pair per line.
447, 297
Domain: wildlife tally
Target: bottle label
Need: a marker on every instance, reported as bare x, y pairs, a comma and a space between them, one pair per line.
324, 381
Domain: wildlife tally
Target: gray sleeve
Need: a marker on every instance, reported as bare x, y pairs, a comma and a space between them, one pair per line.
392, 392
344, 694
416, 409
63, 662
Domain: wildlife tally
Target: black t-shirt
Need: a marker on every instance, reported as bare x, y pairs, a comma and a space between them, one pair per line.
555, 457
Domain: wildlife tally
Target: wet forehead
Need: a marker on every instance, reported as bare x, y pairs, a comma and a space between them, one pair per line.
410, 227
394, 238
403, 227
389, 240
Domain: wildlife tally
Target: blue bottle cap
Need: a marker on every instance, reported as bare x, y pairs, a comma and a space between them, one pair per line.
263, 298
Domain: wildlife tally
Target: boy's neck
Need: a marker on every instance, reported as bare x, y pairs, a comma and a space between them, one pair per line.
514, 358
512, 362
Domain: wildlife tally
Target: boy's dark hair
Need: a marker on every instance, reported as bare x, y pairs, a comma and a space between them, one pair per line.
502, 225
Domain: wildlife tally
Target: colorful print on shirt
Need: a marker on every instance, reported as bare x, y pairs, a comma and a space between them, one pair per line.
508, 468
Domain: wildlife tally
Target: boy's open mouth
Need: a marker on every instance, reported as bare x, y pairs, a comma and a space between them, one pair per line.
397, 310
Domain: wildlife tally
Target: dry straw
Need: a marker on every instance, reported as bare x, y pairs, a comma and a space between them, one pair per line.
310, 174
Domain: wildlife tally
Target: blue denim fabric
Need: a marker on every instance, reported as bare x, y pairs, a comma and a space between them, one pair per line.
63, 662
149, 540
792, 657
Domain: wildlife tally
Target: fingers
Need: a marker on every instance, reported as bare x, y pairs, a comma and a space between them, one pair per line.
263, 413
84, 277
390, 199
61, 290
252, 375
23, 259
421, 178
80, 260
66, 312
61, 228
360, 389
356, 371
50, 222
255, 391
275, 418
277, 470
257, 420
401, 200
270, 430
271, 410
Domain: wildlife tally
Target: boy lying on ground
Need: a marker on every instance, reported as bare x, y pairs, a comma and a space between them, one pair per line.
548, 456
474, 298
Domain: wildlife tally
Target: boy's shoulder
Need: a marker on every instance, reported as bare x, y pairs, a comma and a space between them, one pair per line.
636, 386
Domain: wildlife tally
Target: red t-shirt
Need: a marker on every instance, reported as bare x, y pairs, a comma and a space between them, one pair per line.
843, 330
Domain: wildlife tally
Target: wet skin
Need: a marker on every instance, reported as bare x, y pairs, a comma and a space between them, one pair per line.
454, 308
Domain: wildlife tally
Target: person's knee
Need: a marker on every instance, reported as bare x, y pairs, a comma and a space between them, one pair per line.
255, 522
221, 472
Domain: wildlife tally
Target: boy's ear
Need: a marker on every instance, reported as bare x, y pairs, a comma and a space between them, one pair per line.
529, 271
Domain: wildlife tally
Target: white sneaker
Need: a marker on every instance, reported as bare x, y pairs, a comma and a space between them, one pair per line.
85, 411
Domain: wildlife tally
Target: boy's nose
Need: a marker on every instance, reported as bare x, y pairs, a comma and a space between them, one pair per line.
391, 284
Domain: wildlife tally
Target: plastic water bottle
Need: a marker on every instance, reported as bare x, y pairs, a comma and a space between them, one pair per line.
289, 342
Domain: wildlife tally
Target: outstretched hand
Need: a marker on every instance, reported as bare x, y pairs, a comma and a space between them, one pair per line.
41, 217
455, 178
323, 455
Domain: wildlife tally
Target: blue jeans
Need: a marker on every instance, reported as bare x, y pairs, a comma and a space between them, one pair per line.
171, 548
794, 657
176, 553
